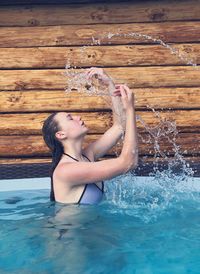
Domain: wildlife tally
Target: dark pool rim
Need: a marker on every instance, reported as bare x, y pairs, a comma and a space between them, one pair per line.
40, 170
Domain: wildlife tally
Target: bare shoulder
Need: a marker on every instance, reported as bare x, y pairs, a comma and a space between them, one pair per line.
60, 170
84, 172
59, 173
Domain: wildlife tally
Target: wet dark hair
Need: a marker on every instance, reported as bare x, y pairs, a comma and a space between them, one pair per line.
50, 127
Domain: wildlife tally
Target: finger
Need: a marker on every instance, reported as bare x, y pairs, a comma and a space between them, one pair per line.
122, 88
90, 74
117, 93
93, 70
87, 73
126, 88
88, 70
129, 92
123, 93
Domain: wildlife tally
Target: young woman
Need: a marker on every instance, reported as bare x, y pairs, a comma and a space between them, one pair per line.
76, 175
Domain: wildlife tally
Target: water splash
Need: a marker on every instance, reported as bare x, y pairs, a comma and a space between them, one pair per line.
78, 82
177, 170
173, 50
165, 186
177, 166
77, 79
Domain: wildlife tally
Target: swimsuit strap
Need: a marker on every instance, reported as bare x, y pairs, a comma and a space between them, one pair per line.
70, 156
75, 158
86, 184
94, 183
82, 193
86, 157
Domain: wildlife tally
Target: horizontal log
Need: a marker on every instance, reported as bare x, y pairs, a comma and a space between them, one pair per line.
99, 33
144, 11
99, 122
181, 76
116, 56
30, 160
33, 145
22, 124
54, 100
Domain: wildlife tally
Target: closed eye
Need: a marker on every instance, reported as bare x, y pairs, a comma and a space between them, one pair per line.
69, 116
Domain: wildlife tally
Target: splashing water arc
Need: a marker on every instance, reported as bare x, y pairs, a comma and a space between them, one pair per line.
177, 170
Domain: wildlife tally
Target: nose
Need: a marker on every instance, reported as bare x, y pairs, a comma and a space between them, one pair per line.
78, 117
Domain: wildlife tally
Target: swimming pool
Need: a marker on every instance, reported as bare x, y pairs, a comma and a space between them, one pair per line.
142, 226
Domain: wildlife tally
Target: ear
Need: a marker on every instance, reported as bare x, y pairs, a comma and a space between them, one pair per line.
60, 135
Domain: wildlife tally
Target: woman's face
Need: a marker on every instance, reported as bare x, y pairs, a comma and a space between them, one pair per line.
71, 125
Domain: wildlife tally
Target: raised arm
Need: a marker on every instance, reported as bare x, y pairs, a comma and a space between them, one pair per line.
104, 143
74, 173
119, 114
110, 138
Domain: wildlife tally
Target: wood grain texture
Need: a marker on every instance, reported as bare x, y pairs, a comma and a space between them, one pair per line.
95, 13
68, 35
170, 76
59, 100
99, 122
34, 146
105, 56
36, 41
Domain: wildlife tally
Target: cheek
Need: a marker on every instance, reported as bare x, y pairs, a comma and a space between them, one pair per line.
73, 129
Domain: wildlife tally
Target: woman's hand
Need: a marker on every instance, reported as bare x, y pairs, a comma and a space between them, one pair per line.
126, 94
98, 73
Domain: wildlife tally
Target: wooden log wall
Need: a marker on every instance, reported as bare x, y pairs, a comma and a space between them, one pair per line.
37, 40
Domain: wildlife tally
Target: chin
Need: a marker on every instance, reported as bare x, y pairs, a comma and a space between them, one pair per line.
86, 129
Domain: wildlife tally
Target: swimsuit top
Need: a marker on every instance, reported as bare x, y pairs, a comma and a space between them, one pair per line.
91, 194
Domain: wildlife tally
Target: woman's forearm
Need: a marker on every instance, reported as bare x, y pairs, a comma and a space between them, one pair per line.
126, 120
119, 117
130, 146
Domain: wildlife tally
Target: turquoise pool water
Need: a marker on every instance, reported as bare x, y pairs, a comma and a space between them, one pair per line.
142, 226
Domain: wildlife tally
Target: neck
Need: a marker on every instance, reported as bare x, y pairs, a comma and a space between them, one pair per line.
74, 148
